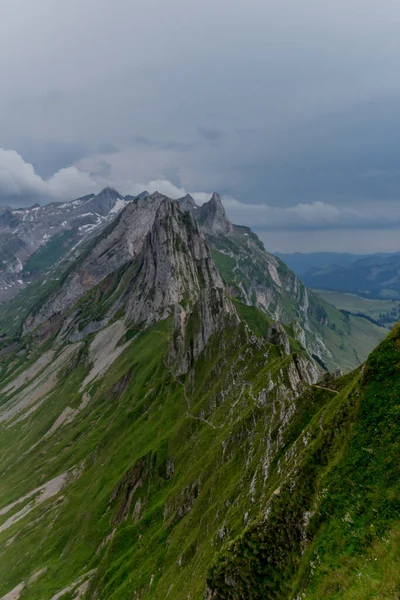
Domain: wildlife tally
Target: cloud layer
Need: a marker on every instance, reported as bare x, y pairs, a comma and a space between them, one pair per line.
18, 179
20, 182
291, 108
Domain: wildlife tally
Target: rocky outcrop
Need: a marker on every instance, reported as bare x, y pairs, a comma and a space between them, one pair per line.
121, 242
177, 276
187, 203
212, 217
277, 335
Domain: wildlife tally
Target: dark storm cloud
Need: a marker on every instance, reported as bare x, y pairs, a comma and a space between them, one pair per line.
278, 105
142, 140
107, 148
211, 134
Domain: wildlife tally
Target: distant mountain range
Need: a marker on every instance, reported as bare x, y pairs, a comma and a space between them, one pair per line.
371, 275
34, 238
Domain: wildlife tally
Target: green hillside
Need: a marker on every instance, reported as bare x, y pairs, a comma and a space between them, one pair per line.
165, 479
164, 435
332, 529
384, 312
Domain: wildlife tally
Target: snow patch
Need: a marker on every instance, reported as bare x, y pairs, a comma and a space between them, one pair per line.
118, 206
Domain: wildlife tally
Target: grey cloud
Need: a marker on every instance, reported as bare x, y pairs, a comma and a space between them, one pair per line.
107, 148
298, 102
141, 140
211, 134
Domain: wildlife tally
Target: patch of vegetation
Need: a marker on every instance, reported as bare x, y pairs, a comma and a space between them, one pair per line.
334, 518
49, 253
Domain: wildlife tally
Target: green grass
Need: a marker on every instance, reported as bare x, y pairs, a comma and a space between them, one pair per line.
138, 422
49, 253
333, 529
387, 312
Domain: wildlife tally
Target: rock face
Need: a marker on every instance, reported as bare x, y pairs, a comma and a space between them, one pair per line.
174, 275
178, 275
121, 242
176, 267
212, 217
187, 203
278, 336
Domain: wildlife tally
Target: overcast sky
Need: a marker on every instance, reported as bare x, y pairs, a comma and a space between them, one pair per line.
290, 109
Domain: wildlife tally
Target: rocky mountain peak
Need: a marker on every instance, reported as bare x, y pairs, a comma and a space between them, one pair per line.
109, 191
187, 203
142, 196
212, 217
177, 276
105, 201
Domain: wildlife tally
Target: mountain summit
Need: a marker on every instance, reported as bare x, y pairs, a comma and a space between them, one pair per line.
212, 217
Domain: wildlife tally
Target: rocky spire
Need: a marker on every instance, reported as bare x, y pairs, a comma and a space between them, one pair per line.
187, 203
212, 217
178, 277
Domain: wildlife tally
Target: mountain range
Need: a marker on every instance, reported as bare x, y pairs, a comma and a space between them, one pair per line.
68, 262
173, 423
370, 275
34, 238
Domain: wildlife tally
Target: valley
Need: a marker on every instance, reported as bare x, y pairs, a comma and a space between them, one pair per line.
385, 313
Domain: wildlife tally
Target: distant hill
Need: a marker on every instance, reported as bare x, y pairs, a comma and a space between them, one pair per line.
301, 262
370, 276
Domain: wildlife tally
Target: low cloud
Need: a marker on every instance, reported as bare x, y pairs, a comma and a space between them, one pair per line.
211, 134
20, 183
18, 179
314, 215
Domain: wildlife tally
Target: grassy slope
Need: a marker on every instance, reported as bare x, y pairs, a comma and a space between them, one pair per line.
197, 468
373, 308
350, 339
333, 530
163, 487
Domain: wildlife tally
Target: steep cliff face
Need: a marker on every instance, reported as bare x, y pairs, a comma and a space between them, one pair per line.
175, 266
154, 263
121, 242
212, 217
177, 275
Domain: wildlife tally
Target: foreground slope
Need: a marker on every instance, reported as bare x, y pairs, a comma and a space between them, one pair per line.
332, 528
